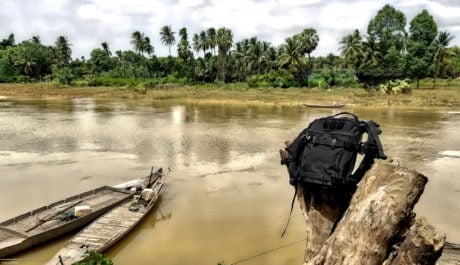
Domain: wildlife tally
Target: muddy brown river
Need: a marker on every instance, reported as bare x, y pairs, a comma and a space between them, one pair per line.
227, 198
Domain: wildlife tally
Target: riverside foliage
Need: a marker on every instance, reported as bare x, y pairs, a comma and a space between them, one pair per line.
385, 52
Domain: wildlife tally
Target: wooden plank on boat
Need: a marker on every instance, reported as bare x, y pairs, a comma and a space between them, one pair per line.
112, 226
53, 220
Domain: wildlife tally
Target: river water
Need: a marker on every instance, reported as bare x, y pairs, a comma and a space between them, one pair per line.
227, 198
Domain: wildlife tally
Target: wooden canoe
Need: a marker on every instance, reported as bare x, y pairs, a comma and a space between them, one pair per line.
324, 106
56, 219
108, 229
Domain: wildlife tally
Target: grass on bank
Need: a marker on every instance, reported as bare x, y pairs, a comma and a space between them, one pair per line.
447, 94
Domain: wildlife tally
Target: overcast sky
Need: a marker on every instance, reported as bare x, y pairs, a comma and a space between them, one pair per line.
88, 23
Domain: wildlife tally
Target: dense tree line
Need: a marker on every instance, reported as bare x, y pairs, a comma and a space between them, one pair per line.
385, 52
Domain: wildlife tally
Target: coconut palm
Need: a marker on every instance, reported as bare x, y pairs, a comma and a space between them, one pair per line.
137, 39
240, 55
24, 59
148, 48
141, 43
8, 41
442, 52
256, 57
36, 39
63, 50
371, 54
105, 47
352, 48
203, 42
196, 43
167, 37
290, 54
224, 43
183, 48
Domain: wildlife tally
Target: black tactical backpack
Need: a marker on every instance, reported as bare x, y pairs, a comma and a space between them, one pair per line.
325, 152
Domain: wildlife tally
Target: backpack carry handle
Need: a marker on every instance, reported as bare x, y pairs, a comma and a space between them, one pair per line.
346, 113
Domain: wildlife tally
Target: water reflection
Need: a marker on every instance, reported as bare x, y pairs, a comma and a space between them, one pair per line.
227, 196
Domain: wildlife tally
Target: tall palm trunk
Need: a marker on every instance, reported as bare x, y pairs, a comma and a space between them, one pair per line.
436, 73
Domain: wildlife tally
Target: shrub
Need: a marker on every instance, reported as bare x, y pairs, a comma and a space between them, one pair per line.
118, 82
23, 78
272, 80
94, 258
395, 87
317, 80
140, 89
80, 83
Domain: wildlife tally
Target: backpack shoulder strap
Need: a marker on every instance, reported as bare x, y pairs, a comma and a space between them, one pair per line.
294, 148
371, 149
373, 143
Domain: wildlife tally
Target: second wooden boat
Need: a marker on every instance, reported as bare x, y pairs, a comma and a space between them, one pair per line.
113, 225
333, 105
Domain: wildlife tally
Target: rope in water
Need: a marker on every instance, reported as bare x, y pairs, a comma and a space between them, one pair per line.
266, 252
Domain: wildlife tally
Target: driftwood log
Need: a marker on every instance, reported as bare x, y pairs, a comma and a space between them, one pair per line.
374, 225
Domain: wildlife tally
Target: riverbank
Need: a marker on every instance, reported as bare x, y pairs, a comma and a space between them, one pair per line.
442, 97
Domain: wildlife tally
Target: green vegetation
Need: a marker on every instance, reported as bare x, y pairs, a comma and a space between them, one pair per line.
387, 52
95, 258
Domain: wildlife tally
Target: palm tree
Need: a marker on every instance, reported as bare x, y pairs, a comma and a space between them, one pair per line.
255, 56
203, 42
352, 48
196, 43
137, 39
62, 49
371, 53
224, 43
290, 55
183, 48
36, 39
211, 38
105, 47
224, 40
8, 41
442, 52
25, 60
308, 42
146, 46
238, 62
167, 37
141, 43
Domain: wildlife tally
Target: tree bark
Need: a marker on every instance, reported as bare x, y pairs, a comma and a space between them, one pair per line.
373, 225
423, 245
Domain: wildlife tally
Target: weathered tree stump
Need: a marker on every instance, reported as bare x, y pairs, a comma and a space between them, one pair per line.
422, 245
375, 225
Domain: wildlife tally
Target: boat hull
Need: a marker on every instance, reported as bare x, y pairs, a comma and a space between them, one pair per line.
22, 232
332, 106
107, 230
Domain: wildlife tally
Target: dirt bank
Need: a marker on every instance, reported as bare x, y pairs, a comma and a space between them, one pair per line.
443, 97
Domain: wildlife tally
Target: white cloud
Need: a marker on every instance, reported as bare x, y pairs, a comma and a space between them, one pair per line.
87, 23
444, 11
